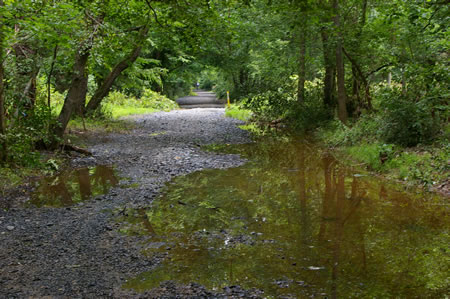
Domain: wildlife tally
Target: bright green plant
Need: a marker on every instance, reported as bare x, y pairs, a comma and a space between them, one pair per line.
235, 111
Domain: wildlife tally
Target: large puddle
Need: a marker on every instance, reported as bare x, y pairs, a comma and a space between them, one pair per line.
295, 223
74, 186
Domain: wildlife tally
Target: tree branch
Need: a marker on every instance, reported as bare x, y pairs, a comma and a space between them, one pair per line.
154, 13
379, 69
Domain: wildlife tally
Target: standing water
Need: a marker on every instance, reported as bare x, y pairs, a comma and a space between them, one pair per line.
73, 186
294, 222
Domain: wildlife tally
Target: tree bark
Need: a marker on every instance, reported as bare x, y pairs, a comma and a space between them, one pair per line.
3, 144
329, 86
302, 62
103, 90
342, 94
357, 70
77, 91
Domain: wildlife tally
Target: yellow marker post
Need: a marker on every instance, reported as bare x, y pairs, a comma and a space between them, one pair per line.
228, 99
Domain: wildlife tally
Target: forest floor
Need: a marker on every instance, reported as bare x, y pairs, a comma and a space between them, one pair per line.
78, 251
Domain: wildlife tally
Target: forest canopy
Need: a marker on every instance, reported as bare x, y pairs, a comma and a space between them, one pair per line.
378, 66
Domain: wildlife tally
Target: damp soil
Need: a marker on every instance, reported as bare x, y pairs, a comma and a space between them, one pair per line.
155, 214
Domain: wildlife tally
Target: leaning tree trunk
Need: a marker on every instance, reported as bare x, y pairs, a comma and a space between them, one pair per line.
77, 91
3, 144
342, 94
103, 90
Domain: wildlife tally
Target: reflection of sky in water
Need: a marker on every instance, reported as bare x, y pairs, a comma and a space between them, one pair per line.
71, 187
294, 221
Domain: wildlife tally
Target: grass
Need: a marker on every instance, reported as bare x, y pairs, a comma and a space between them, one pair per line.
13, 176
235, 111
423, 165
120, 111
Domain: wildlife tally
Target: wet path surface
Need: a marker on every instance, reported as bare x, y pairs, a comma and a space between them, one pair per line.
295, 223
63, 240
164, 218
203, 99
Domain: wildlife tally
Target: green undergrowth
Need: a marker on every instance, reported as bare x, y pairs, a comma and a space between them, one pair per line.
424, 165
99, 125
118, 105
238, 112
364, 143
27, 161
14, 174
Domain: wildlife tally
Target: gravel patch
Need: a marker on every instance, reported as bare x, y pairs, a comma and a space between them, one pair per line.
77, 252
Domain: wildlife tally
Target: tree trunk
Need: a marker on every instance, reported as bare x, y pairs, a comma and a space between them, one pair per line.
302, 62
342, 94
77, 91
3, 144
25, 80
328, 88
103, 90
357, 71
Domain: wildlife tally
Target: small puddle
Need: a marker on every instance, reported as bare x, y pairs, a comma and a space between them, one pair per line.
295, 222
71, 187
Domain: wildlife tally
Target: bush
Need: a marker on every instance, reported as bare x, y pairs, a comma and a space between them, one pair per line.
270, 104
152, 99
149, 99
235, 111
365, 129
28, 131
406, 121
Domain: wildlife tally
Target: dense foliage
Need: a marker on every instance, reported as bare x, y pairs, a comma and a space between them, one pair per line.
382, 65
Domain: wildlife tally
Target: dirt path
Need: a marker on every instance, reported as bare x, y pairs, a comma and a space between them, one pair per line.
204, 99
77, 251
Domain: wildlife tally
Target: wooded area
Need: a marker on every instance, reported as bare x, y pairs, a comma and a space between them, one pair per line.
327, 176
379, 66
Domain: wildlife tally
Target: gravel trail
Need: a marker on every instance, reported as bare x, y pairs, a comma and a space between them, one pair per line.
203, 99
77, 252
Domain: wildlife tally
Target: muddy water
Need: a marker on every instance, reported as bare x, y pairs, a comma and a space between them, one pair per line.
294, 222
71, 187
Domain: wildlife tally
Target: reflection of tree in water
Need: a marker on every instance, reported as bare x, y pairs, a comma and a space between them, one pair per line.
73, 186
104, 176
339, 211
84, 182
326, 227
53, 191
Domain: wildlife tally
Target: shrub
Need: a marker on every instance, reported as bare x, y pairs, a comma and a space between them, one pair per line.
406, 121
235, 111
149, 99
152, 99
26, 133
270, 104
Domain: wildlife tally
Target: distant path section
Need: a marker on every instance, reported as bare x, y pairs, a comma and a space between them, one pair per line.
203, 99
